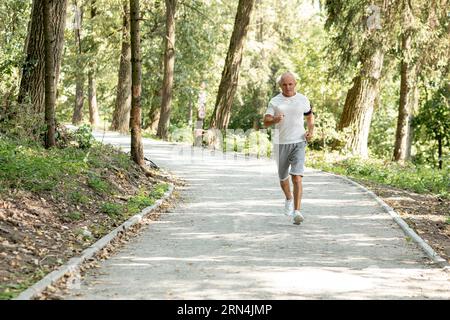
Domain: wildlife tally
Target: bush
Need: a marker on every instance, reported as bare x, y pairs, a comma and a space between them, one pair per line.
416, 178
112, 209
83, 136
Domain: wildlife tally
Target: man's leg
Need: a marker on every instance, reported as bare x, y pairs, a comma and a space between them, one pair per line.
298, 191
282, 152
286, 189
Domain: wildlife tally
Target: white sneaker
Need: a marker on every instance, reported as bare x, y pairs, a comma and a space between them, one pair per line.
298, 217
289, 207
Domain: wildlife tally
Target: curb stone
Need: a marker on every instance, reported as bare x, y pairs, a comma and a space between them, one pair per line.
74, 264
433, 255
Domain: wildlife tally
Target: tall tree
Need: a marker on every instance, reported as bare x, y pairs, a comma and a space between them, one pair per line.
32, 84
425, 50
367, 43
230, 74
169, 64
121, 115
408, 86
360, 100
137, 150
94, 117
77, 116
50, 96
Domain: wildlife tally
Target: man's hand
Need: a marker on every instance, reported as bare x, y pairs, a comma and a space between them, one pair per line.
309, 135
270, 120
278, 118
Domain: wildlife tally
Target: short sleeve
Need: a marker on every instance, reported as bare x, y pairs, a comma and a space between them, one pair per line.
270, 109
308, 108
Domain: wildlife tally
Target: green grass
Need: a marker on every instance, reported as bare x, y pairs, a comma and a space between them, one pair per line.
159, 190
12, 290
78, 197
98, 184
146, 199
113, 210
34, 168
28, 166
74, 216
420, 179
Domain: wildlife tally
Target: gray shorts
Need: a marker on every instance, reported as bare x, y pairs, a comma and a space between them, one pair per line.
290, 155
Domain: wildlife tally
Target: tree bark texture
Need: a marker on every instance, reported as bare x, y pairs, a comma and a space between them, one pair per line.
408, 92
32, 83
137, 151
94, 117
230, 74
155, 111
360, 100
408, 103
169, 64
121, 115
77, 116
50, 96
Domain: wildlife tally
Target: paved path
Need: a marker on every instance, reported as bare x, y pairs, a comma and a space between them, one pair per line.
229, 240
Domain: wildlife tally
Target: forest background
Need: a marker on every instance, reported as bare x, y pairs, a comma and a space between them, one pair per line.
376, 72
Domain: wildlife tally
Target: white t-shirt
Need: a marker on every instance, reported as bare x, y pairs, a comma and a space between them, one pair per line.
292, 128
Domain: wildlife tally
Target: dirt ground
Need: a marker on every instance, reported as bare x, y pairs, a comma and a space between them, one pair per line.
427, 215
38, 232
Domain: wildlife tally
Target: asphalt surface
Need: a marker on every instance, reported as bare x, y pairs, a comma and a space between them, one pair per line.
228, 239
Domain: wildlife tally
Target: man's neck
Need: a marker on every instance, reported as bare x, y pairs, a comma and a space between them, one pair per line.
289, 96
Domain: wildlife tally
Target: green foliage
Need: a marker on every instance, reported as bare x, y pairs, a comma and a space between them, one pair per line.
14, 17
181, 134
98, 184
33, 168
84, 137
74, 216
107, 156
139, 202
26, 165
145, 199
113, 210
12, 290
17, 121
420, 179
78, 197
433, 121
159, 190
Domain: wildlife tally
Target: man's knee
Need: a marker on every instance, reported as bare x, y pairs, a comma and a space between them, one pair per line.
297, 179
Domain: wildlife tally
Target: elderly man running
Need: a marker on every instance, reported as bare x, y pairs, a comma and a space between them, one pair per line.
286, 111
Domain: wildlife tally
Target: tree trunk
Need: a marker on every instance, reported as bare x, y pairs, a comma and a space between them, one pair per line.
137, 151
169, 63
359, 103
32, 84
408, 102
155, 111
50, 97
79, 90
439, 139
230, 74
408, 91
94, 117
121, 115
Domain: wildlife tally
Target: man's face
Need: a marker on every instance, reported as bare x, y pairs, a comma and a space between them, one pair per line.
288, 85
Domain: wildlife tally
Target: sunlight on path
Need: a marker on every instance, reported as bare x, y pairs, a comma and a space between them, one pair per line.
228, 239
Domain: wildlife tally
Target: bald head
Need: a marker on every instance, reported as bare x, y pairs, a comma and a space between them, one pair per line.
287, 75
287, 84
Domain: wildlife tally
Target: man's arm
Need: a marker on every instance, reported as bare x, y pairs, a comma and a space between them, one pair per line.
310, 124
270, 120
